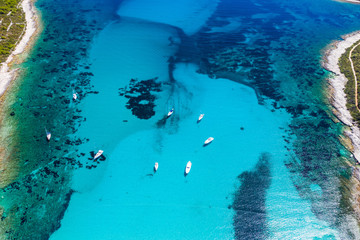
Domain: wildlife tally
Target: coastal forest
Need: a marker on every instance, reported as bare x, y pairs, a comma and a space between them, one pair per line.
345, 67
12, 26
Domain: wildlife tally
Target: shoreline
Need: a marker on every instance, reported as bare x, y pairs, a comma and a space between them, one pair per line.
27, 39
349, 1
336, 94
350, 136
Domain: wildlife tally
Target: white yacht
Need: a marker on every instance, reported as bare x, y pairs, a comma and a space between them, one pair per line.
156, 167
188, 167
170, 112
98, 154
200, 117
74, 96
48, 135
209, 140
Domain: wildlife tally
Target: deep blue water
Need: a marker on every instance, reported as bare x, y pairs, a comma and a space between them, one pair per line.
275, 170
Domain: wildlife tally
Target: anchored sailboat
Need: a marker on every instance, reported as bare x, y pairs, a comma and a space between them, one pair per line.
98, 154
209, 140
200, 117
156, 167
187, 168
170, 112
48, 135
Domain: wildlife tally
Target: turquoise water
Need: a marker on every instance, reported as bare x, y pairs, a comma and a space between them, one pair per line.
274, 169
177, 206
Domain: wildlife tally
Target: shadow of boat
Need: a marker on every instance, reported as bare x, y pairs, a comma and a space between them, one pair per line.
206, 144
162, 122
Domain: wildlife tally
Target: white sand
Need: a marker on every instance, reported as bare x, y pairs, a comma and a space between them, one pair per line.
188, 15
6, 73
337, 83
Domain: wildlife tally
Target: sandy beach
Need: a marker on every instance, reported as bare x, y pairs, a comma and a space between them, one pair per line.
7, 74
337, 84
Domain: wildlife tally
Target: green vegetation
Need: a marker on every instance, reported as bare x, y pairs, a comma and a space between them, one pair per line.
12, 24
345, 67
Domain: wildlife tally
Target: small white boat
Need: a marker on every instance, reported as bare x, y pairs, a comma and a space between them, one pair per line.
209, 140
98, 154
188, 168
200, 117
48, 135
170, 112
74, 96
156, 167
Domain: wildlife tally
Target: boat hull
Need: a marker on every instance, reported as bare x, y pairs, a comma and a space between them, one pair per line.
170, 113
187, 168
208, 141
200, 118
98, 154
156, 167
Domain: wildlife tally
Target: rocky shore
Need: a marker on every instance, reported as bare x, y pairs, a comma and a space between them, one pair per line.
336, 89
337, 98
7, 74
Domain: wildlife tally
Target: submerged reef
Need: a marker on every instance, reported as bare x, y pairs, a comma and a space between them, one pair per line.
249, 201
286, 74
36, 178
141, 98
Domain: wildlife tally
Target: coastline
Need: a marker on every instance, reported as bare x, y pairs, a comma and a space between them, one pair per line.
336, 92
337, 97
350, 1
7, 74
